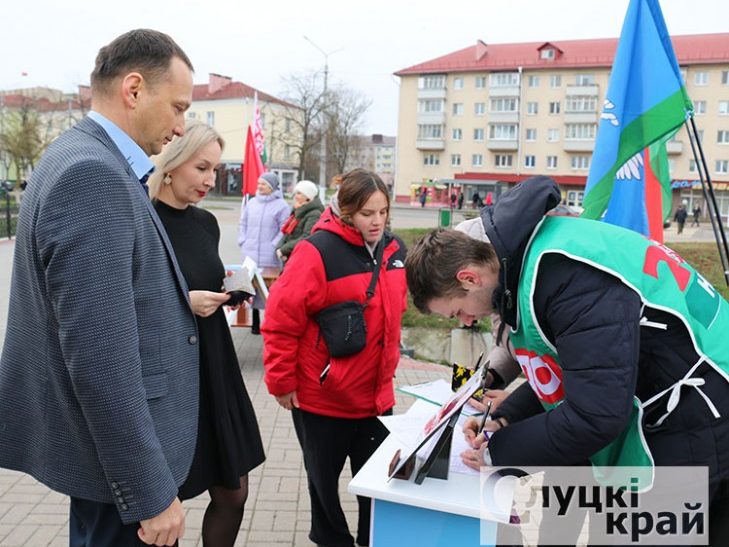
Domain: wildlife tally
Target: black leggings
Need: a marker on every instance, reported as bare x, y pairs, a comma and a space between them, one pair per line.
326, 443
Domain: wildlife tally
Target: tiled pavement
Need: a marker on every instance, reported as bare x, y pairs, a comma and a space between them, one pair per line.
277, 511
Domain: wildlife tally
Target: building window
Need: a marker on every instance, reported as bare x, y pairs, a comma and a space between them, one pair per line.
430, 131
692, 166
552, 135
458, 109
555, 80
480, 82
575, 198
554, 107
477, 160
532, 108
458, 83
503, 160
503, 105
479, 109
723, 108
432, 81
547, 54
455, 160
431, 159
585, 79
551, 162
191, 115
580, 131
722, 166
580, 162
722, 137
531, 135
502, 131
478, 134
211, 118
530, 162
699, 107
429, 106
581, 104
701, 78
533, 81
504, 79
457, 133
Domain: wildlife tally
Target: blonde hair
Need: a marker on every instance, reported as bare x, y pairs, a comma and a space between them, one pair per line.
197, 134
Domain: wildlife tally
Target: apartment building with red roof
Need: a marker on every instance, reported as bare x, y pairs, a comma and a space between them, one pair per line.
487, 116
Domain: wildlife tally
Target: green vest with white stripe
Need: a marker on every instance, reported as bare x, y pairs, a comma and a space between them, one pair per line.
662, 279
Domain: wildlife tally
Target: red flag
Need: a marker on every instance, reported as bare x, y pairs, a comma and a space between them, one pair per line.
252, 166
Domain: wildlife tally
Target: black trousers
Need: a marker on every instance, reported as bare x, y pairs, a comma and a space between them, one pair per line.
94, 524
326, 443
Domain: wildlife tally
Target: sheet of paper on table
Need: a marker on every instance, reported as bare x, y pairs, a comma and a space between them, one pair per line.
436, 392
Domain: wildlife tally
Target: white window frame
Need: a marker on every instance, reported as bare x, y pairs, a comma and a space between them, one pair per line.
503, 131
455, 160
476, 160
530, 161
554, 108
552, 162
457, 109
456, 134
532, 108
478, 134
721, 167
480, 82
458, 83
479, 109
553, 134
699, 107
530, 134
701, 78
503, 161
533, 80
555, 80
722, 136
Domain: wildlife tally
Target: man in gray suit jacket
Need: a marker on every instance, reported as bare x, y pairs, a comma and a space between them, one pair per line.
99, 371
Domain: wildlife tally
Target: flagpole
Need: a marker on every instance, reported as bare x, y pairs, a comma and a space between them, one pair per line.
709, 195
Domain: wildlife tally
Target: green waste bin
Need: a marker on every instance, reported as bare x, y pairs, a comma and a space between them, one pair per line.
444, 219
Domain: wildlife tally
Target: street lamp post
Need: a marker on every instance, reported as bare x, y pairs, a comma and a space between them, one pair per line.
323, 154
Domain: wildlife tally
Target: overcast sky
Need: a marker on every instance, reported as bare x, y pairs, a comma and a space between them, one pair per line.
259, 42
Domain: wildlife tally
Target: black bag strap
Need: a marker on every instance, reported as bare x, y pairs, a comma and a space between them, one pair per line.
379, 251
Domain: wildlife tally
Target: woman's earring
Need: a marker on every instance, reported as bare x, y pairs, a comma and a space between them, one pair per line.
167, 179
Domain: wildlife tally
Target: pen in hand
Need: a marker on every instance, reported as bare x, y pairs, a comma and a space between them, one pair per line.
483, 420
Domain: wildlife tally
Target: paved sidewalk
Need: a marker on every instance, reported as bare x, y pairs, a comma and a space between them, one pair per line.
277, 511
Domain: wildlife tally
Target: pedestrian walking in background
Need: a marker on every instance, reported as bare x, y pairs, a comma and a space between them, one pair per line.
259, 231
697, 213
680, 217
307, 210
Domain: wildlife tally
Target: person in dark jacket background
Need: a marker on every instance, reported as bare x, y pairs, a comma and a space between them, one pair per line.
680, 217
335, 401
609, 342
307, 210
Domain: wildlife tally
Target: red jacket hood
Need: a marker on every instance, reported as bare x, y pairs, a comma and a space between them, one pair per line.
332, 223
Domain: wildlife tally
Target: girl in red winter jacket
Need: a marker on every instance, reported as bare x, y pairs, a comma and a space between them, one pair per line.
335, 401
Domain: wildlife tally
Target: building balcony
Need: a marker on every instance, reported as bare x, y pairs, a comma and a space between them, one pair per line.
430, 144
674, 147
580, 117
579, 145
439, 93
502, 144
506, 91
583, 90
430, 118
503, 117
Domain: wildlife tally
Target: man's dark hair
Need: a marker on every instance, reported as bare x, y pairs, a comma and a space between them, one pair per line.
148, 52
433, 262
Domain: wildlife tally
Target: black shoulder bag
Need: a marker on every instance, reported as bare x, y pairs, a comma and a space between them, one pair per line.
342, 325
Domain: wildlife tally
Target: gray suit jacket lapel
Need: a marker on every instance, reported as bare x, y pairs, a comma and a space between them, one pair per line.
90, 127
